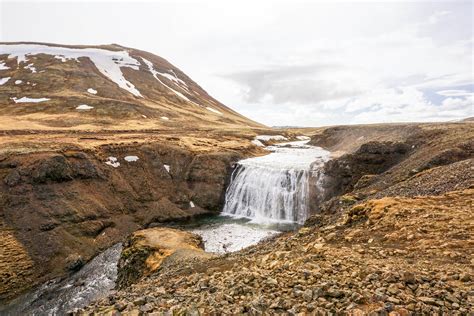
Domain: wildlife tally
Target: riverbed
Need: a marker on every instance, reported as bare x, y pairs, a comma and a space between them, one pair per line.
221, 234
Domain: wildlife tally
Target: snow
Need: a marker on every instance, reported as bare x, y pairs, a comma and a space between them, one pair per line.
214, 110
303, 137
156, 73
108, 62
167, 167
92, 91
165, 118
270, 137
30, 67
4, 80
29, 100
84, 107
112, 161
289, 156
61, 58
131, 158
3, 66
232, 236
191, 204
173, 78
18, 81
258, 143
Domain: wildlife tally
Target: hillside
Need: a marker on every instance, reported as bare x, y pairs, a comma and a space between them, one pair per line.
49, 86
99, 145
97, 142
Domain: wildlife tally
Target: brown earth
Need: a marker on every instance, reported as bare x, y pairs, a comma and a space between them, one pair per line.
394, 255
61, 204
395, 235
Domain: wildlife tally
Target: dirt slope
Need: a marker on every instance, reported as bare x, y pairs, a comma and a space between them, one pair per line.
394, 236
63, 199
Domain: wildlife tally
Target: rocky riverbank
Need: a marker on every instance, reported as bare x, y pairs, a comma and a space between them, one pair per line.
396, 238
382, 257
63, 204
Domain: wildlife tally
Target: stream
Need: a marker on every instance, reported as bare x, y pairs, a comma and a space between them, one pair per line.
266, 196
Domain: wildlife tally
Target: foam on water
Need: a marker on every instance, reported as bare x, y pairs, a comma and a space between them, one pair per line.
231, 236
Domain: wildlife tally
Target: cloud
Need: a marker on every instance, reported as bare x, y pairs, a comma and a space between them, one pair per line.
406, 104
455, 93
306, 63
296, 84
399, 75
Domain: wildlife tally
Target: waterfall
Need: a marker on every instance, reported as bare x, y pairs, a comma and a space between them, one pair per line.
274, 187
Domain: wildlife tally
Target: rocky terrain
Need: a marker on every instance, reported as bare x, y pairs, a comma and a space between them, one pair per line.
61, 207
99, 142
393, 236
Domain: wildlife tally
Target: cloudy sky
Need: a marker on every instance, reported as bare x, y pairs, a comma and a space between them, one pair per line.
305, 63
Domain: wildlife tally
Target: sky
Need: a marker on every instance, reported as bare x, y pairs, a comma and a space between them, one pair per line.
287, 63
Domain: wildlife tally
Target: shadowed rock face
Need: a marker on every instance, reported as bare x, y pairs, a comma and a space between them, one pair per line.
386, 160
63, 208
341, 175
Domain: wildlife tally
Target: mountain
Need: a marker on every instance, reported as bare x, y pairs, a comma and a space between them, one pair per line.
49, 86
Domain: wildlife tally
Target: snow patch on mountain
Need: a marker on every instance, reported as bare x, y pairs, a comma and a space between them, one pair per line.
266, 138
92, 91
84, 107
3, 66
29, 100
31, 68
173, 78
108, 62
303, 137
4, 80
214, 110
112, 161
156, 74
131, 158
258, 143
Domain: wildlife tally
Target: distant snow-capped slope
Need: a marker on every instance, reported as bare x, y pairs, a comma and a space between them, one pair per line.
123, 88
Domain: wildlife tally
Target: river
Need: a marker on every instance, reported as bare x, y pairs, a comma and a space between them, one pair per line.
267, 195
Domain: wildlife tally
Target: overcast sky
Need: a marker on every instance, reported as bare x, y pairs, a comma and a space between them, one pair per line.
305, 63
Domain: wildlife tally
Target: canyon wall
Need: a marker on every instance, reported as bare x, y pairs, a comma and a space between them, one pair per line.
61, 208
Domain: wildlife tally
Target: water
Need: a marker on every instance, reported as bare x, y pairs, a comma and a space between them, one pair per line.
56, 297
274, 188
96, 279
222, 234
267, 195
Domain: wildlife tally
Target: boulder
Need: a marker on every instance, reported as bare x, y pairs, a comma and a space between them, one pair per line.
147, 251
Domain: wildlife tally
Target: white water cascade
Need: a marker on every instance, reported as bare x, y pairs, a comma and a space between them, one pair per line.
274, 188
